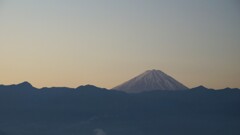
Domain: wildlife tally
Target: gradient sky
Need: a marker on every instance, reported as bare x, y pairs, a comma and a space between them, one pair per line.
106, 42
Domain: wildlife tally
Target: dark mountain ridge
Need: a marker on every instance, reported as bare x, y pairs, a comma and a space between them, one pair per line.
59, 111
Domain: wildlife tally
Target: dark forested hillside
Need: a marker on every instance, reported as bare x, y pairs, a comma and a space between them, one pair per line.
88, 110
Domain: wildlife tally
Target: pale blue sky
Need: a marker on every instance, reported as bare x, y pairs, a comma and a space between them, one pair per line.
106, 42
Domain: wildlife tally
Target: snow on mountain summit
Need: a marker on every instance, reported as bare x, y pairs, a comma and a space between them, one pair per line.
151, 80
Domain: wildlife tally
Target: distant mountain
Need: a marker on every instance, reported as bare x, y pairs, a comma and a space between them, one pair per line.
26, 110
200, 88
24, 85
151, 80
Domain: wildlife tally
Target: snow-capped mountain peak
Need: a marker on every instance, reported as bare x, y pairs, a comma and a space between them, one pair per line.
151, 80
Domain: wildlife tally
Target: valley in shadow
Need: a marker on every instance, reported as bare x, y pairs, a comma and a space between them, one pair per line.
89, 110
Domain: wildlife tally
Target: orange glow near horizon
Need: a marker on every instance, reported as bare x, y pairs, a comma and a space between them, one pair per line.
72, 43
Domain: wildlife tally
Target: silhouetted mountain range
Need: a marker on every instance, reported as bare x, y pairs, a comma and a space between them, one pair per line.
89, 110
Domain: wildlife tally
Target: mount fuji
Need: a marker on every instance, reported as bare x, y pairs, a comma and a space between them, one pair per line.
150, 80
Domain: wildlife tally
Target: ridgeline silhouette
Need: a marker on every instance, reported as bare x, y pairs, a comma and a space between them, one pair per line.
60, 111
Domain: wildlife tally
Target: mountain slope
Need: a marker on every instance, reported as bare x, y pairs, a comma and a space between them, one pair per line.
80, 111
151, 80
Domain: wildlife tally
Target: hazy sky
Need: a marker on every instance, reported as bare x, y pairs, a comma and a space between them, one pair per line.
106, 42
